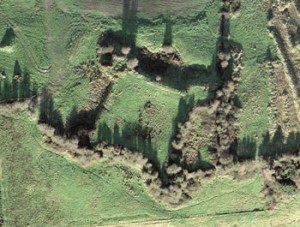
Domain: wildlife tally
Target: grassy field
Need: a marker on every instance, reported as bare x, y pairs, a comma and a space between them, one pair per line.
137, 92
50, 38
63, 193
254, 119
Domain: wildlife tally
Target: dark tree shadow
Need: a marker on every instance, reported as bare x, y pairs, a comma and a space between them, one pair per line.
297, 4
270, 14
19, 88
293, 142
48, 115
180, 77
271, 148
246, 149
295, 36
159, 67
6, 90
112, 42
185, 106
80, 123
201, 164
168, 36
268, 56
224, 27
130, 23
132, 136
25, 90
14, 89
106, 59
8, 37
17, 75
80, 120
105, 134
34, 89
17, 69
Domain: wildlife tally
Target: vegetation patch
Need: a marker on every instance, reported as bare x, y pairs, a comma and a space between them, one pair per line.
148, 112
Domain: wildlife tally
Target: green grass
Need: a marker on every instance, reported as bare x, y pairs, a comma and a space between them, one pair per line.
43, 188
72, 41
194, 34
249, 29
224, 195
29, 44
50, 190
67, 193
27, 20
54, 191
130, 89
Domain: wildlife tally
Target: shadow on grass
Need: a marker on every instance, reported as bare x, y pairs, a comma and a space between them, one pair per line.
180, 77
166, 68
133, 136
268, 56
130, 24
168, 35
49, 115
201, 164
150, 65
80, 123
8, 38
6, 90
274, 147
19, 88
15, 80
246, 149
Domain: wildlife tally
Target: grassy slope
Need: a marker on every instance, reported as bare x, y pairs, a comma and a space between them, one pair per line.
27, 20
68, 87
64, 193
187, 32
249, 29
137, 92
194, 33
43, 188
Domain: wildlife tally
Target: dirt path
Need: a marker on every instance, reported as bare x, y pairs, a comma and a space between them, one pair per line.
262, 218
